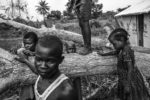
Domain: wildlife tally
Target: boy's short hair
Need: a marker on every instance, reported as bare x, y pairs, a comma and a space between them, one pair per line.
119, 32
54, 42
31, 35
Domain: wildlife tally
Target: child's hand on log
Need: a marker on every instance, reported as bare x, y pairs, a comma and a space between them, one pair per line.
100, 53
21, 59
29, 53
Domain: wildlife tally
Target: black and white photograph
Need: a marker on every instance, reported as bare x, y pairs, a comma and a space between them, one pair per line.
74, 49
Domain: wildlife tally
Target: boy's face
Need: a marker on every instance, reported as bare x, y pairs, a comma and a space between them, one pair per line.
29, 44
46, 63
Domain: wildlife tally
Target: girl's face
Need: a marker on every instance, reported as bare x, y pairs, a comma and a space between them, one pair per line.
119, 44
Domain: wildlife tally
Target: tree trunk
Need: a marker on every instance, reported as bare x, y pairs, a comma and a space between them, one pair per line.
13, 72
12, 7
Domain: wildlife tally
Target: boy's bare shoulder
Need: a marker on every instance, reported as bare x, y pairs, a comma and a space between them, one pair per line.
67, 86
68, 91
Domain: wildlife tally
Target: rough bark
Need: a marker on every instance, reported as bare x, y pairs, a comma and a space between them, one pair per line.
74, 65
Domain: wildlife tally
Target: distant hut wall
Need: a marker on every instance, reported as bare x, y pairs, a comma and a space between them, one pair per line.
130, 23
147, 30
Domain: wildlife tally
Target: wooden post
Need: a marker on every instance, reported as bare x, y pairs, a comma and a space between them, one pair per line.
77, 83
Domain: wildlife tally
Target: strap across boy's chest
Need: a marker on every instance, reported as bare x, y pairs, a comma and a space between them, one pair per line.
50, 89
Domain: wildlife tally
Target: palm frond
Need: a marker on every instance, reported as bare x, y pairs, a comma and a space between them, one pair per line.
42, 7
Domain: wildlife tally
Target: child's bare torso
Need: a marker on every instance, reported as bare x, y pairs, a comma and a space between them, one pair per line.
58, 93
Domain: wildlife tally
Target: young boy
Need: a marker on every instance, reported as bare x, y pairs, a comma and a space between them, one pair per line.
83, 11
70, 47
51, 83
28, 48
29, 42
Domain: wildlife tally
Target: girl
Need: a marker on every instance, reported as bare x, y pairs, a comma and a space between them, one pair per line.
131, 85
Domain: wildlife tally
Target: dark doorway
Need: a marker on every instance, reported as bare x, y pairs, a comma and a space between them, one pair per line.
140, 19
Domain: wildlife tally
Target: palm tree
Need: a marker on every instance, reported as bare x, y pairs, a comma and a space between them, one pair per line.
43, 8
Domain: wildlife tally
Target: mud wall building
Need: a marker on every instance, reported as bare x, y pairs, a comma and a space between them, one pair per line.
136, 20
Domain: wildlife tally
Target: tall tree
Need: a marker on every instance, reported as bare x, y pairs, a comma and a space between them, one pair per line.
21, 6
18, 5
96, 10
12, 7
43, 8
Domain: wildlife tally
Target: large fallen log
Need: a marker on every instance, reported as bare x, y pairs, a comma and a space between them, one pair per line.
74, 65
65, 35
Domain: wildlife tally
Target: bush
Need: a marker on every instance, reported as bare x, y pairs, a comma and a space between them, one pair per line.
100, 32
74, 27
20, 20
95, 23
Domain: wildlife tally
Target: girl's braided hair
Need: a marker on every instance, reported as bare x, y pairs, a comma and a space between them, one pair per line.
117, 33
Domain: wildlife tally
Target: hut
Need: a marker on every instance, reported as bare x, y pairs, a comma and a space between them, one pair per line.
136, 20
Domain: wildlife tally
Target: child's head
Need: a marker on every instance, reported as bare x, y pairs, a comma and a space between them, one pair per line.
119, 38
48, 55
30, 40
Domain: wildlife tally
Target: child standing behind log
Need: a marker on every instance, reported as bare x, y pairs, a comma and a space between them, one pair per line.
131, 84
83, 11
51, 83
28, 48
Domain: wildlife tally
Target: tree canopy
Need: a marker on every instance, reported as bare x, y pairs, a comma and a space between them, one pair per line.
43, 8
54, 14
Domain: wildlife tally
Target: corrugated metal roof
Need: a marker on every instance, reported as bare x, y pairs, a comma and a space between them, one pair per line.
139, 8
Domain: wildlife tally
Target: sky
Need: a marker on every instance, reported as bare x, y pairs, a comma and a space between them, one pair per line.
108, 5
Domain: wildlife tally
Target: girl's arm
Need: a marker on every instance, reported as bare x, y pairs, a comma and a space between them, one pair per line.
111, 53
130, 68
128, 59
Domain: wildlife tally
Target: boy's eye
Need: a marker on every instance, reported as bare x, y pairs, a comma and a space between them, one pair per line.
38, 59
28, 43
51, 60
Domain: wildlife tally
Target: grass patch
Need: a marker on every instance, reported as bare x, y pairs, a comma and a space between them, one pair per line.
97, 27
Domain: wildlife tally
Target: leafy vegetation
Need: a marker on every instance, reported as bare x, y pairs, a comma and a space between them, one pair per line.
17, 5
43, 8
54, 14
